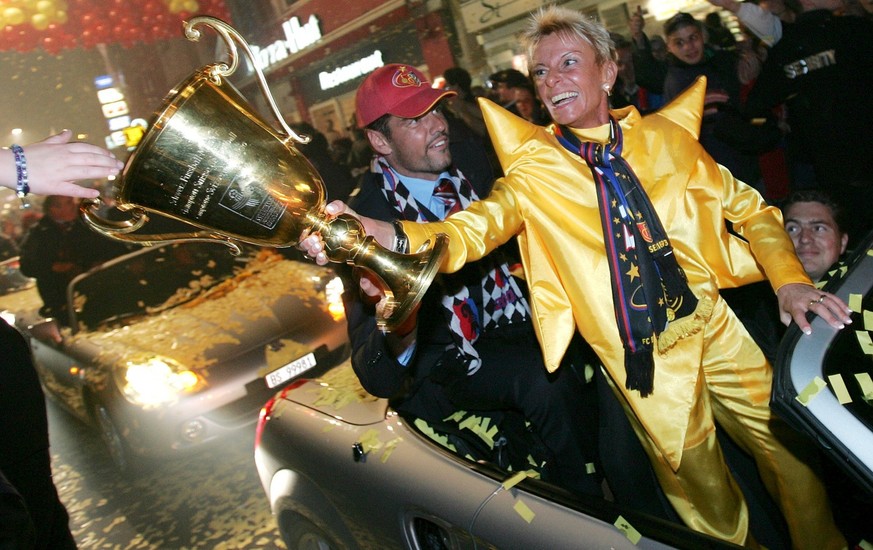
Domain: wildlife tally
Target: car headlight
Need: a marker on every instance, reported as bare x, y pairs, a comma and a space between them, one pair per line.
157, 382
333, 292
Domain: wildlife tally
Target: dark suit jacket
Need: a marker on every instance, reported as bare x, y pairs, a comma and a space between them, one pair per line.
412, 388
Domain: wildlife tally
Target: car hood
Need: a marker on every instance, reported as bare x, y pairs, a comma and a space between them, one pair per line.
339, 394
263, 308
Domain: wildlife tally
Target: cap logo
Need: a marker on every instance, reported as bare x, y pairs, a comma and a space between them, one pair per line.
405, 79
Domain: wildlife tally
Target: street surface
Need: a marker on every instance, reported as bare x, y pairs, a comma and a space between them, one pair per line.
211, 499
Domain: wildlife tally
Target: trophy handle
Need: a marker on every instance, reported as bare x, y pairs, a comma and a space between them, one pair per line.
121, 230
231, 37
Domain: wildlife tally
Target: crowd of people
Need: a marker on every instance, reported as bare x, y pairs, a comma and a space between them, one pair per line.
609, 207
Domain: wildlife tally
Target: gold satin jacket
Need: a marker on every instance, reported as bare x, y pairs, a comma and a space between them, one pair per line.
549, 199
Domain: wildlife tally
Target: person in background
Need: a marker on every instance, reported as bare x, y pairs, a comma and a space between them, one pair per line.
529, 106
815, 224
52, 167
649, 56
464, 105
360, 153
719, 36
725, 132
626, 90
8, 249
337, 179
621, 224
822, 71
755, 17
502, 83
60, 247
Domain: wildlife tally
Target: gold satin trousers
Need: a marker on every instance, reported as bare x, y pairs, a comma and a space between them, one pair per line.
734, 389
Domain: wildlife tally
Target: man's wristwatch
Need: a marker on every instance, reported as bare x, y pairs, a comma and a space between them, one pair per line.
401, 241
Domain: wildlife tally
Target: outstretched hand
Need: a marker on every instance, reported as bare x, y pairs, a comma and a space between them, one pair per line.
54, 164
796, 299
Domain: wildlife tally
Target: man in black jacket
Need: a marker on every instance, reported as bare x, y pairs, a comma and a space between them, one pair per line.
471, 344
822, 70
60, 247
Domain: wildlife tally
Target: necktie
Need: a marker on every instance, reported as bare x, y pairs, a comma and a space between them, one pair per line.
446, 192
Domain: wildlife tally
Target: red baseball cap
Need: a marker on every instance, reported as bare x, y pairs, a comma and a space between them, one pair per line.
399, 90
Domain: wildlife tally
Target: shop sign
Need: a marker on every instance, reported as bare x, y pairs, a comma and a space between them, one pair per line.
297, 37
349, 72
478, 14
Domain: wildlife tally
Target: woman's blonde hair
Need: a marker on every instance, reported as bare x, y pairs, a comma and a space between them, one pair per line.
552, 19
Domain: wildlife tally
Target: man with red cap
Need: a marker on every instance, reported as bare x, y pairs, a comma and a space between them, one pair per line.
471, 344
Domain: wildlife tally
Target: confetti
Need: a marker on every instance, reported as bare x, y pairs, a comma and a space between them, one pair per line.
524, 511
840, 389
513, 480
855, 301
865, 341
811, 390
866, 384
625, 527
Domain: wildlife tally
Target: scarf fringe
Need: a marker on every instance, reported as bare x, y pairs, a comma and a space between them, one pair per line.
686, 326
640, 371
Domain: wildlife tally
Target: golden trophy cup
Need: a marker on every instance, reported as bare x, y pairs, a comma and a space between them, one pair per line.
208, 159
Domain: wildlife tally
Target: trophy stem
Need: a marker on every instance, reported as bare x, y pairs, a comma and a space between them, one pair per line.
405, 277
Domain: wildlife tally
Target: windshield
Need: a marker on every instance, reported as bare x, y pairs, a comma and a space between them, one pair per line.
148, 282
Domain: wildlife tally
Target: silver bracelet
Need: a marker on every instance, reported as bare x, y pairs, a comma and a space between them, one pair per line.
21, 184
21, 187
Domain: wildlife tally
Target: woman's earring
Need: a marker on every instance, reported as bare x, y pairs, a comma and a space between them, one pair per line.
606, 89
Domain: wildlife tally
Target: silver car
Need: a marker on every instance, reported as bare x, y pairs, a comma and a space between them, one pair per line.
171, 347
341, 469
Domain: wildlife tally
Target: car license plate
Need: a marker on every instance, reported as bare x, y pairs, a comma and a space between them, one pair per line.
289, 371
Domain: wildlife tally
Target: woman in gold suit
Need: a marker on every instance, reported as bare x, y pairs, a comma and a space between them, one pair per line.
621, 223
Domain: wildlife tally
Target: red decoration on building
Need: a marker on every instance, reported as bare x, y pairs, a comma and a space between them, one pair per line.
56, 25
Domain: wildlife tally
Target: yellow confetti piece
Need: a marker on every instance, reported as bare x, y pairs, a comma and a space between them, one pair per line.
370, 441
625, 527
864, 544
457, 417
865, 341
868, 319
486, 422
811, 390
470, 422
513, 480
866, 384
428, 431
524, 511
589, 468
840, 389
389, 448
855, 301
492, 432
